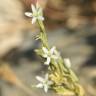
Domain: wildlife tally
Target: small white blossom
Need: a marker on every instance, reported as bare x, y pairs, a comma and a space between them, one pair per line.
50, 54
36, 14
44, 83
67, 62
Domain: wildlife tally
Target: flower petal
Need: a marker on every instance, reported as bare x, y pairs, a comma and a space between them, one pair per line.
34, 20
52, 49
37, 5
46, 76
40, 85
33, 9
39, 78
48, 61
41, 18
67, 62
46, 88
29, 14
45, 50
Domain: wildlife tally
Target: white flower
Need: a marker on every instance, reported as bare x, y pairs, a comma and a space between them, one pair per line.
36, 14
50, 54
67, 62
44, 83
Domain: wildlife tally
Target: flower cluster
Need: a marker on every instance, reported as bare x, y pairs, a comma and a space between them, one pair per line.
37, 13
44, 82
50, 54
60, 77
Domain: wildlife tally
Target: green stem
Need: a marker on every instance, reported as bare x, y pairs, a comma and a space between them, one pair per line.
42, 28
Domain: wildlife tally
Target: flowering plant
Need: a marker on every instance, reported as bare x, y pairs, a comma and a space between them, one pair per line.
60, 76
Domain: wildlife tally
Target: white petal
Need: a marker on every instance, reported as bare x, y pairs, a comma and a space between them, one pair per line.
46, 88
45, 50
46, 76
33, 8
52, 50
37, 5
40, 85
34, 20
39, 78
29, 14
41, 18
67, 62
48, 61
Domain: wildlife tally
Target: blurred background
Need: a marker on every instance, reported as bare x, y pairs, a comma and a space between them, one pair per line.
70, 25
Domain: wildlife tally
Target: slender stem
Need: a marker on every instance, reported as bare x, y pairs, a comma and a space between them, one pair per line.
42, 28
